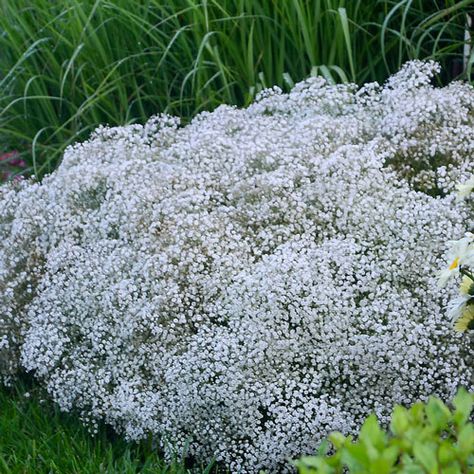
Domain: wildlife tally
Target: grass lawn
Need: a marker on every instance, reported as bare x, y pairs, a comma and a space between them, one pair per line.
36, 438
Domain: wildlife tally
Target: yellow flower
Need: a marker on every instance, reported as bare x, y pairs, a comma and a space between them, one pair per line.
455, 264
467, 286
466, 320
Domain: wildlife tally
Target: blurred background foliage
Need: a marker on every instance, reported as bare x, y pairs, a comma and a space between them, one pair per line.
66, 67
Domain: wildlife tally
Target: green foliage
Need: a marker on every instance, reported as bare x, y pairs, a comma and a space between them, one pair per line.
35, 437
427, 438
68, 66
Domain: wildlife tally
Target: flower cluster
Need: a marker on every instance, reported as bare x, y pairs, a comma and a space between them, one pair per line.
251, 281
461, 258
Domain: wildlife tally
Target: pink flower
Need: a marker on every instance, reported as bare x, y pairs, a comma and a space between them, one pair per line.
11, 163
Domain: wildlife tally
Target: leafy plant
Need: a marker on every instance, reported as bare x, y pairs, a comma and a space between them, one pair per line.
427, 438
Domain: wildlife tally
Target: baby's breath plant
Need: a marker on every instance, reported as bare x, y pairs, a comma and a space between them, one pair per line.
251, 281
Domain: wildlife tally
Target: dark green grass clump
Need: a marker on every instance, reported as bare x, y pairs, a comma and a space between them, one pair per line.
68, 66
36, 438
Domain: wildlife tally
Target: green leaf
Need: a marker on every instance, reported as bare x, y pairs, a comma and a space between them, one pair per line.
323, 448
466, 441
355, 457
371, 434
313, 464
380, 466
408, 466
391, 454
422, 441
399, 423
337, 439
446, 453
463, 403
438, 414
425, 454
417, 413
454, 468
347, 37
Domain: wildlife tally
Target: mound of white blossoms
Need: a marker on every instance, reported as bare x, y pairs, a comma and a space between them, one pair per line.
252, 280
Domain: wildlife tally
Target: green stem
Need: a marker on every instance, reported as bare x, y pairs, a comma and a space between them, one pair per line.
467, 273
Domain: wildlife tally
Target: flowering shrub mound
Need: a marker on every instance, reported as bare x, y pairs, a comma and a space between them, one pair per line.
251, 281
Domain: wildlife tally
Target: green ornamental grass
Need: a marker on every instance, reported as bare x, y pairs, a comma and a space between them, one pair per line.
66, 67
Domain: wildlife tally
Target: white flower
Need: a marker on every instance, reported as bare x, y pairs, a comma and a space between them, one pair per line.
461, 253
465, 189
456, 307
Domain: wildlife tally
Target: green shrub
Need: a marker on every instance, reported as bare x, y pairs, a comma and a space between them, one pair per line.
427, 438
